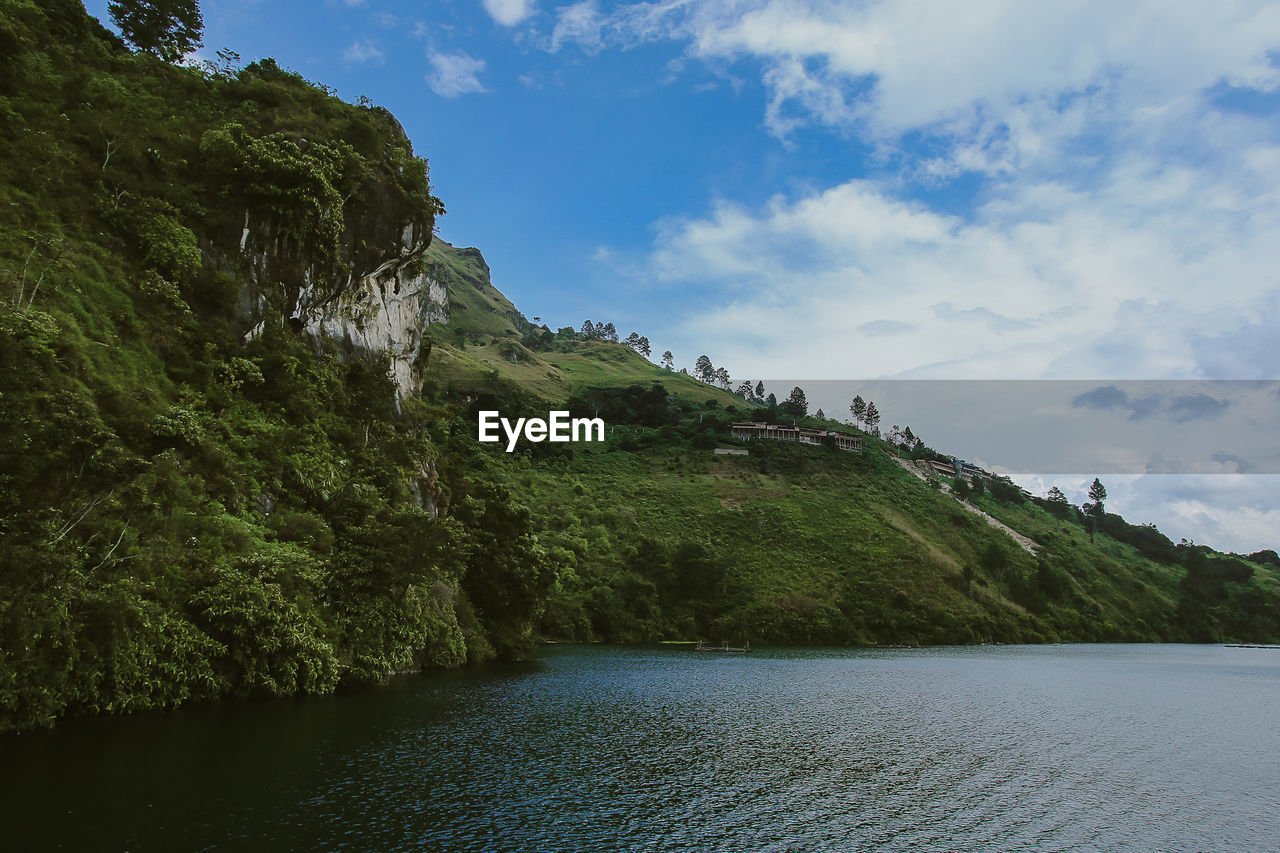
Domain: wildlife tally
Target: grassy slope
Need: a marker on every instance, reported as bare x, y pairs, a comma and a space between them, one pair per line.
485, 330
815, 545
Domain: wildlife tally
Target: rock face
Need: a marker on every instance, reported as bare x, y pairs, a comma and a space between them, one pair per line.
378, 305
384, 312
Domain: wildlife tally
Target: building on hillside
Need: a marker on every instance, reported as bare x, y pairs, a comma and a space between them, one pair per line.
955, 469
802, 435
969, 471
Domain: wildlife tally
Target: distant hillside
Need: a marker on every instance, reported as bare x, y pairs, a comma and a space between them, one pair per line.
487, 343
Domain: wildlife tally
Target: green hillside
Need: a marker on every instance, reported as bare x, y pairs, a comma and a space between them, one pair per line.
487, 335
238, 449
658, 537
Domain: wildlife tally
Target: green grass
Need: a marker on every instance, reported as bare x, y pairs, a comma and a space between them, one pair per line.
482, 346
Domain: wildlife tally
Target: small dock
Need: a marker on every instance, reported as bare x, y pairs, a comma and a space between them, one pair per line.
725, 647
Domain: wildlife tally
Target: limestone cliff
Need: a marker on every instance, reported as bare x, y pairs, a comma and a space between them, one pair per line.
368, 286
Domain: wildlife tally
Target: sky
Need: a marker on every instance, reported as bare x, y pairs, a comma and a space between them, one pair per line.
852, 190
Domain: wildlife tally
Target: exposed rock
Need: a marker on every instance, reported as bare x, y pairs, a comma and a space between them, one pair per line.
380, 306
384, 312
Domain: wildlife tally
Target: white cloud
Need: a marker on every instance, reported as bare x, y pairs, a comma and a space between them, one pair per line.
362, 50
580, 24
508, 13
1118, 279
455, 74
890, 67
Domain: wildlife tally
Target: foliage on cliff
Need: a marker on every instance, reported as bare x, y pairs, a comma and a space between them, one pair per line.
186, 513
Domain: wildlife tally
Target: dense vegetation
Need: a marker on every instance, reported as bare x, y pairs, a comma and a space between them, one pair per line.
186, 514
197, 499
658, 538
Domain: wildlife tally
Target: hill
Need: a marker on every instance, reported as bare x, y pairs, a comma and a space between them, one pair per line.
238, 416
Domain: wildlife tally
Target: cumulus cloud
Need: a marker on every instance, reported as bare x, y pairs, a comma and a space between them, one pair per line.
990, 73
508, 13
1076, 275
454, 74
362, 50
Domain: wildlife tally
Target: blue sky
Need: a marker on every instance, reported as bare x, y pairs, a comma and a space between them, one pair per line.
845, 190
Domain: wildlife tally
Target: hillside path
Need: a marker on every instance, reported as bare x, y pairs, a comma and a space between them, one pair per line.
1025, 543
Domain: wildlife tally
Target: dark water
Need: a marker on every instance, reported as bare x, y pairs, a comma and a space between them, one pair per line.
1024, 748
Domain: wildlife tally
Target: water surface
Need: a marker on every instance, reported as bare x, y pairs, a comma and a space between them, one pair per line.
1012, 748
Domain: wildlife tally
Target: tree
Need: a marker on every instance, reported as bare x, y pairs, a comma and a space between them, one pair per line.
796, 405
169, 29
588, 330
872, 417
744, 390
760, 390
858, 408
722, 378
668, 360
609, 332
1095, 509
639, 343
704, 369
771, 401
1058, 503
820, 415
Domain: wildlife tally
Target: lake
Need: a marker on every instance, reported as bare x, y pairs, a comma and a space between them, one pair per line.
1107, 747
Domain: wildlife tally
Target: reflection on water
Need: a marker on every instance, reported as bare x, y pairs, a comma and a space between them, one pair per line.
1035, 748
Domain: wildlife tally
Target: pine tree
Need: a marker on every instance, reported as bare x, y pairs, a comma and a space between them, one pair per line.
1096, 509
872, 416
760, 390
668, 360
858, 408
796, 403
